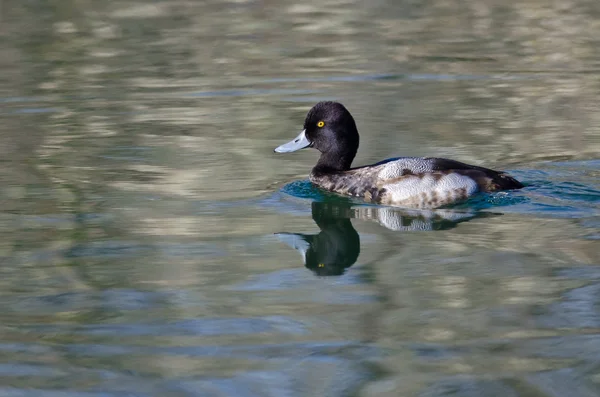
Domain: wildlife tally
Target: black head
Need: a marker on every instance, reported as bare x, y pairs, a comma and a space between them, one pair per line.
330, 128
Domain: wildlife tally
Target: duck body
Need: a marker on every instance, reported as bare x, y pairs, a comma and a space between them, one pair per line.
415, 182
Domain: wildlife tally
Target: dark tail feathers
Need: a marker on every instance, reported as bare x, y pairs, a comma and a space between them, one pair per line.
506, 182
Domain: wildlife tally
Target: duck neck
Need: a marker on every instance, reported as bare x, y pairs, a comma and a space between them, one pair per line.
334, 161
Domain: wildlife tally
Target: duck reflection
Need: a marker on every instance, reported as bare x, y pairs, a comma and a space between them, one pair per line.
337, 246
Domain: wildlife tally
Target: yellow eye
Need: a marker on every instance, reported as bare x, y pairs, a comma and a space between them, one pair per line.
321, 124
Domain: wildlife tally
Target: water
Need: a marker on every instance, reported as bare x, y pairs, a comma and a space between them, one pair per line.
153, 245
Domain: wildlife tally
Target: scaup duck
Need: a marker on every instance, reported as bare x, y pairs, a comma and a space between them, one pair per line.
418, 182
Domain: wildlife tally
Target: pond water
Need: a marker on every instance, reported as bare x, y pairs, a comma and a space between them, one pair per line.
152, 244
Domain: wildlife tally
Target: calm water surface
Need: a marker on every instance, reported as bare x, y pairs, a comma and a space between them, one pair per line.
153, 245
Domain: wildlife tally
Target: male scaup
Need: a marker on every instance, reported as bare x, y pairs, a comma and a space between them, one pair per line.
421, 182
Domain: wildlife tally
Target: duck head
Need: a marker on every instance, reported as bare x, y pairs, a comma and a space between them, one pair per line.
330, 128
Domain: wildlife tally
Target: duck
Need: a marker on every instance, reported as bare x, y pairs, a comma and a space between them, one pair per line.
411, 182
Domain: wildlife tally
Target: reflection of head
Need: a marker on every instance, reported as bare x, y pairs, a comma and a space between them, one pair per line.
335, 248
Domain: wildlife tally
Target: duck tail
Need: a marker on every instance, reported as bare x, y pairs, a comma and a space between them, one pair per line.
507, 182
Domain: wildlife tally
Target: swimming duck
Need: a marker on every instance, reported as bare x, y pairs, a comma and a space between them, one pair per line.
418, 182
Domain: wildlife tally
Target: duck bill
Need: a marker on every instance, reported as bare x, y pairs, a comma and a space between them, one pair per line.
300, 142
297, 241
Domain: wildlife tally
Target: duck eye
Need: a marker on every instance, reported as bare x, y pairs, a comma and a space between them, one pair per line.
321, 124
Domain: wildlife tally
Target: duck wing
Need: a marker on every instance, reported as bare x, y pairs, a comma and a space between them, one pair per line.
487, 180
429, 182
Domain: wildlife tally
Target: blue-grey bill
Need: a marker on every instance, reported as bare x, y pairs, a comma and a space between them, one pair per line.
300, 142
296, 241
